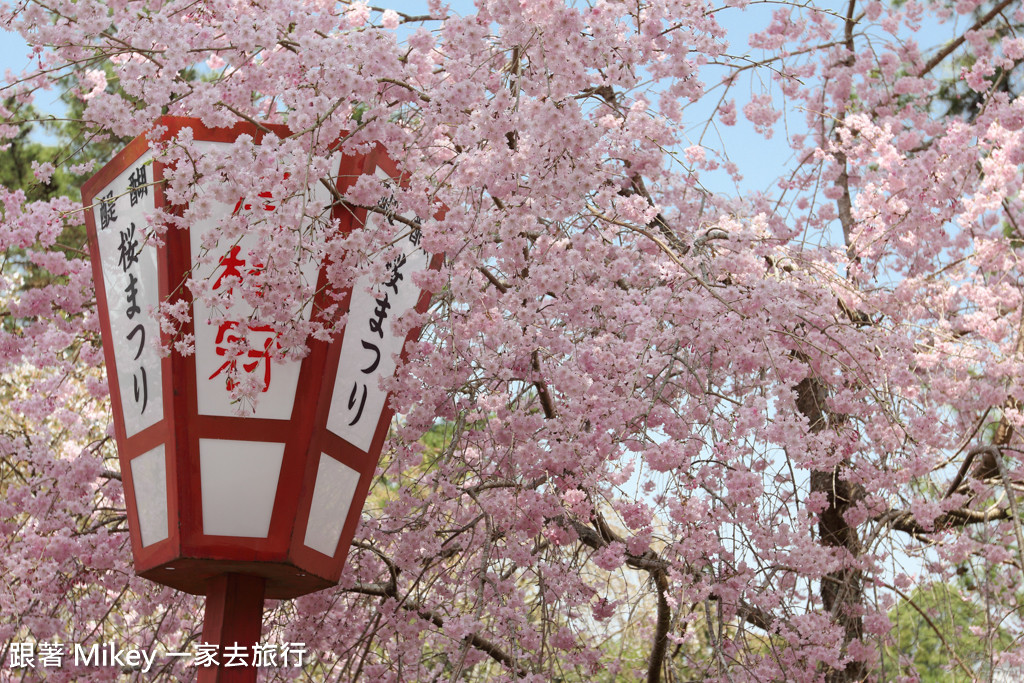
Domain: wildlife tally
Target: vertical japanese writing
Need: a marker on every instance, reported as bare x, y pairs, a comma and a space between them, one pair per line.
128, 252
387, 204
240, 363
373, 333
128, 262
108, 211
414, 237
137, 185
261, 339
372, 345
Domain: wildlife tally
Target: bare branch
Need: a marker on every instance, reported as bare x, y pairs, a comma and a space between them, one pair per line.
486, 646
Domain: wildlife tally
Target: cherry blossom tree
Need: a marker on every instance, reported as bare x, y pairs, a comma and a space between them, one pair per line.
727, 430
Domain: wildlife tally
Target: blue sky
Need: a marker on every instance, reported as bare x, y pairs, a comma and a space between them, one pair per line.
13, 51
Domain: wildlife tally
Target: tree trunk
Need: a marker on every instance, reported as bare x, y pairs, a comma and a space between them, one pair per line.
842, 592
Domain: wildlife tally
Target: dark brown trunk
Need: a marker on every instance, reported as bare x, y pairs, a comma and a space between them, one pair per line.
842, 591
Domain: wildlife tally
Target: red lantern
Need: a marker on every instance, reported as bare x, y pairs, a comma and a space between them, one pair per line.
238, 507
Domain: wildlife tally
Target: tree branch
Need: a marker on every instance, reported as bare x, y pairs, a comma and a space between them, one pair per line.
546, 402
1015, 517
954, 44
491, 649
904, 520
650, 562
660, 647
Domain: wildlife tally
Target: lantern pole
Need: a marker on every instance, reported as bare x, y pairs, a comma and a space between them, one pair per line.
234, 616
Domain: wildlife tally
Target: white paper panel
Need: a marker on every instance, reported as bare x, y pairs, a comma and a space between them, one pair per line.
239, 483
128, 260
149, 475
369, 346
213, 358
332, 497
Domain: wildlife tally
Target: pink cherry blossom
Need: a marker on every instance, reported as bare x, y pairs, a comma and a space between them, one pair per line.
671, 411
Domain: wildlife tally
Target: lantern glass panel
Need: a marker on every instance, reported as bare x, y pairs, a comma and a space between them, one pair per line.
370, 345
128, 259
237, 347
239, 485
149, 478
332, 496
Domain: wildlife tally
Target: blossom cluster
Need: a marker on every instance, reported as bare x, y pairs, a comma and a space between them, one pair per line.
733, 427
